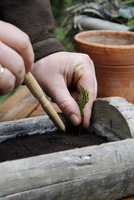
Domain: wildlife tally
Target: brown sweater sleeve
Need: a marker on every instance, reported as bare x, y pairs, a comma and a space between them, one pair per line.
35, 18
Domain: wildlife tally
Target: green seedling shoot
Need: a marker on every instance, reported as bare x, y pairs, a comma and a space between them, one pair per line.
82, 100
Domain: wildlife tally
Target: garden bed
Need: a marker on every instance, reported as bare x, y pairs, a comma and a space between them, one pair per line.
101, 171
50, 142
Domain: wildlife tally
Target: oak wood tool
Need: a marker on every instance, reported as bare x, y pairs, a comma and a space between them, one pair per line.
38, 93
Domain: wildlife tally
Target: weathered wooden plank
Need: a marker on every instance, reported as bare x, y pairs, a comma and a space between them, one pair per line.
32, 125
18, 106
39, 110
111, 117
96, 173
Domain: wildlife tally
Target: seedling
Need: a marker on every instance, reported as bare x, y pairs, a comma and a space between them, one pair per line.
82, 100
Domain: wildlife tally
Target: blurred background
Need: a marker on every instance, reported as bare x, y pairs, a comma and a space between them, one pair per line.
66, 12
62, 27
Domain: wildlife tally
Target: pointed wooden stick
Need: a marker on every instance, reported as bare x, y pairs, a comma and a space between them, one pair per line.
38, 93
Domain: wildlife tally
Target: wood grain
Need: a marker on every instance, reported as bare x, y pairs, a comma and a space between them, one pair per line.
18, 106
113, 118
39, 110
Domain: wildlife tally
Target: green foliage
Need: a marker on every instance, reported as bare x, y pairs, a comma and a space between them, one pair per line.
61, 32
6, 96
3, 98
115, 10
58, 9
119, 11
82, 100
129, 2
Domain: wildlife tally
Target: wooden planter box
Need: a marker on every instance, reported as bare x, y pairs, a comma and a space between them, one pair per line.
101, 172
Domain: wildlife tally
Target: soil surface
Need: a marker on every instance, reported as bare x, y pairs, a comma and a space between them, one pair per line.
110, 40
31, 145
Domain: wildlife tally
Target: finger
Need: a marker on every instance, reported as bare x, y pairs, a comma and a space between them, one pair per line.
85, 75
13, 62
65, 101
7, 82
18, 40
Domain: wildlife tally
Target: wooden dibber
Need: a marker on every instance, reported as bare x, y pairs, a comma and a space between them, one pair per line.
38, 93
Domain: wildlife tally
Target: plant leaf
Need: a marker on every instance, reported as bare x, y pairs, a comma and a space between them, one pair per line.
82, 100
131, 28
129, 2
130, 22
126, 11
90, 10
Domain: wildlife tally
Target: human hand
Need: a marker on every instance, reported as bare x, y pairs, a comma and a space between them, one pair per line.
16, 56
58, 72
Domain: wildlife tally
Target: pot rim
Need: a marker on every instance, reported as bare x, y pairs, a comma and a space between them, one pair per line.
108, 46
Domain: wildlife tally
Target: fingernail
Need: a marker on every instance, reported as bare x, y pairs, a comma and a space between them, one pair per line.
88, 124
75, 119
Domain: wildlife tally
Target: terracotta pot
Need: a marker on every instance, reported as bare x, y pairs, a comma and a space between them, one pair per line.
113, 55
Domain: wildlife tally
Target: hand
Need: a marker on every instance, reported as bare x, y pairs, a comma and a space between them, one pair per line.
16, 56
57, 72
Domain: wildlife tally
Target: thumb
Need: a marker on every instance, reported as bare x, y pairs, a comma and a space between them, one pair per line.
67, 104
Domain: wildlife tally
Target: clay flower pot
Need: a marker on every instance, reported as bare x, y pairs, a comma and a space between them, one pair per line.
113, 55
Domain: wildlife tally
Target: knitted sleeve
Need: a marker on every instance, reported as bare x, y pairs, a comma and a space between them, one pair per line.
35, 18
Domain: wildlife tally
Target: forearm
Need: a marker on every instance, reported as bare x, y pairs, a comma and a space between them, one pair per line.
34, 18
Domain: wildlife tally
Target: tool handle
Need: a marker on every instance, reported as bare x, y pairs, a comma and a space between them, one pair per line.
38, 93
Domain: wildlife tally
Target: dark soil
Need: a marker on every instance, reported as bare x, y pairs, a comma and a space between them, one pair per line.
31, 145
